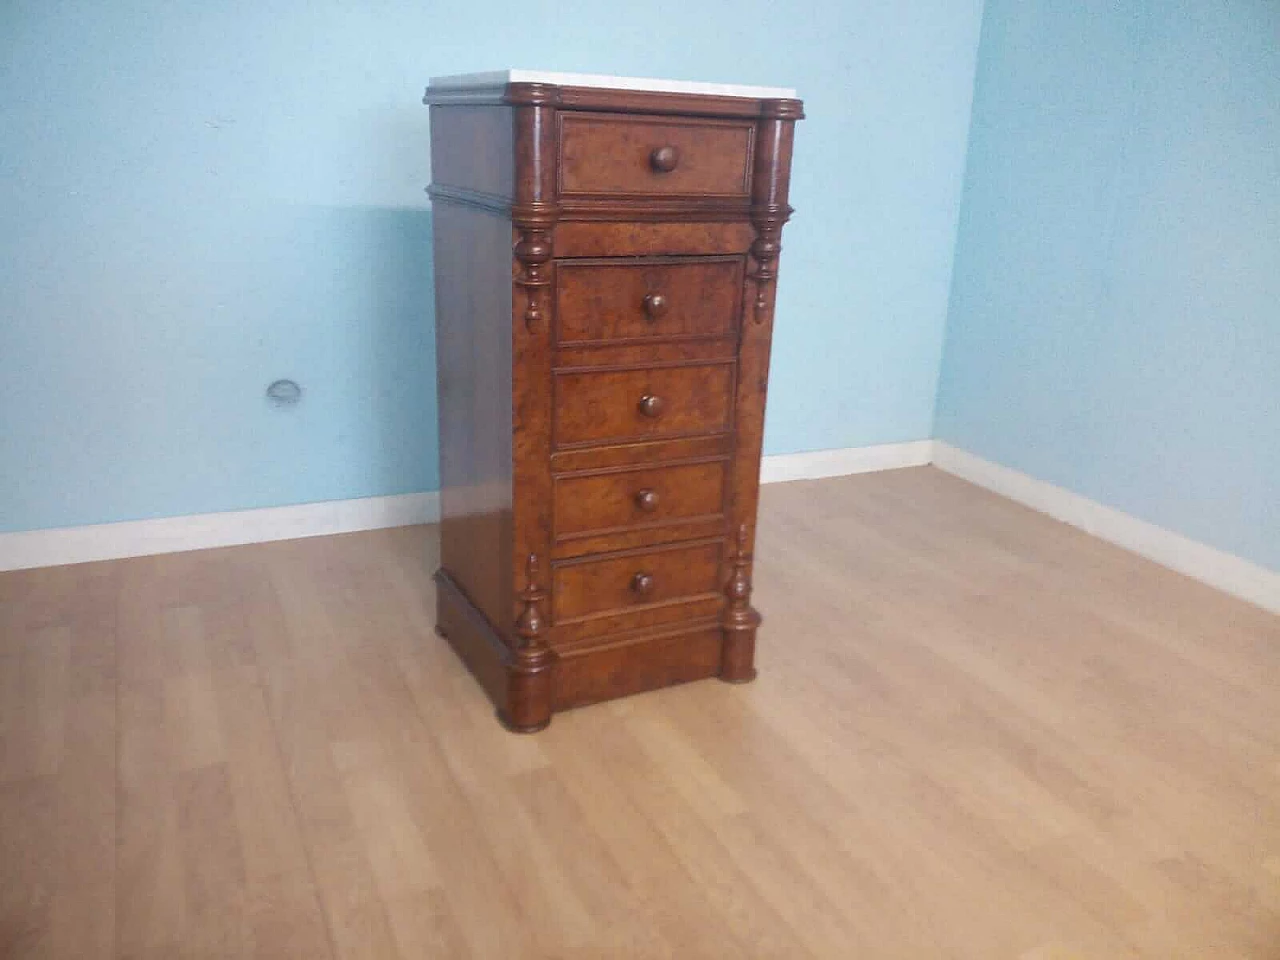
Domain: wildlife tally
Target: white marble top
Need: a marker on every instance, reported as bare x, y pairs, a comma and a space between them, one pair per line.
463, 81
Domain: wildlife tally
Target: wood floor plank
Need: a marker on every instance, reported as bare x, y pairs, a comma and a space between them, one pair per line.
356, 917
215, 921
28, 865
748, 918
150, 889
651, 881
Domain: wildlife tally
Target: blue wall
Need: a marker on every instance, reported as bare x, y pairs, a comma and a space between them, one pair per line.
1115, 316
197, 198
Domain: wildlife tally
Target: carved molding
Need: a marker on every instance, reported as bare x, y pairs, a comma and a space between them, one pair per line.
614, 100
532, 648
528, 696
782, 109
465, 96
533, 250
765, 250
532, 94
739, 615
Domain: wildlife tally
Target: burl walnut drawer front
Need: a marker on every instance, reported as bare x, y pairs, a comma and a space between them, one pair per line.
613, 500
602, 301
615, 583
612, 405
605, 154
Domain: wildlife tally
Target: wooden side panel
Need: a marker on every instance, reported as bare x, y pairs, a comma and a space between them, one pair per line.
473, 357
471, 149
472, 637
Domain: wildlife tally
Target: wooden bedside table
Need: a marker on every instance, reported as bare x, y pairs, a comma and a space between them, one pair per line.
606, 252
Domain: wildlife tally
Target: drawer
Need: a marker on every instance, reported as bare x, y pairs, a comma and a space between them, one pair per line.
604, 301
601, 586
604, 154
617, 405
615, 500
591, 673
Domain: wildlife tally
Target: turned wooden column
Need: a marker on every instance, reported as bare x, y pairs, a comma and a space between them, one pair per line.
769, 213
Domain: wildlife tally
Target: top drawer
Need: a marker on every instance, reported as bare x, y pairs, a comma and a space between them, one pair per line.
605, 154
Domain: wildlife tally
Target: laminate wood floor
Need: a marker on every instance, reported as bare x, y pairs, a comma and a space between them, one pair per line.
976, 734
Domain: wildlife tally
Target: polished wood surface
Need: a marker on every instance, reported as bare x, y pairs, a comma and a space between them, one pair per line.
644, 661
619, 406
644, 238
636, 454
612, 583
473, 353
605, 154
579, 239
604, 301
977, 734
613, 500
473, 149
646, 353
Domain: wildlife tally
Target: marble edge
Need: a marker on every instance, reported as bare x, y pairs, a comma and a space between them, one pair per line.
494, 78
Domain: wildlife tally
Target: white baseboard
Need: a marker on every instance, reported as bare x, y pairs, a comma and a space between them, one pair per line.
111, 541
1217, 568
845, 461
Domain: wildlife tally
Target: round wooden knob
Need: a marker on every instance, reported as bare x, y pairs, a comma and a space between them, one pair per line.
650, 406
647, 499
664, 159
642, 584
655, 305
